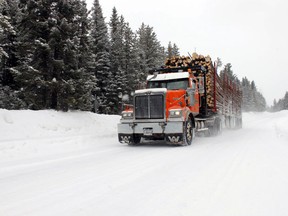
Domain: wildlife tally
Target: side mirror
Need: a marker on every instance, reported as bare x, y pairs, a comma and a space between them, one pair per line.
201, 85
191, 96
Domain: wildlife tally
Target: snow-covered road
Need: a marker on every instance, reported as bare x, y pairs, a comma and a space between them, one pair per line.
71, 164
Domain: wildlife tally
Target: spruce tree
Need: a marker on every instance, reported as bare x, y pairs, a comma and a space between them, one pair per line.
117, 77
74, 84
281, 104
53, 51
175, 50
286, 101
86, 84
169, 50
100, 64
131, 65
252, 99
33, 52
9, 97
172, 50
152, 54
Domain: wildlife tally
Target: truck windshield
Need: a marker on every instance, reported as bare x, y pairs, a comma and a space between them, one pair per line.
169, 84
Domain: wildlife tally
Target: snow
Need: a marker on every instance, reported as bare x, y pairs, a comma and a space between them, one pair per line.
142, 91
168, 76
71, 164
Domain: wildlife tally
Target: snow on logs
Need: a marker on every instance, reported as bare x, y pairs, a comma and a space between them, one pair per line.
196, 60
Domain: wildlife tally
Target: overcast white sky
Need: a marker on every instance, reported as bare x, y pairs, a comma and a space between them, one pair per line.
252, 35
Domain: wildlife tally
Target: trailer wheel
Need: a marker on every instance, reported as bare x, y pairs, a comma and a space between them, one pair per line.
215, 129
188, 132
239, 123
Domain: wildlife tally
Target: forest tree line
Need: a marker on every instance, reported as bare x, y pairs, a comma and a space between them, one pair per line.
55, 54
252, 99
281, 104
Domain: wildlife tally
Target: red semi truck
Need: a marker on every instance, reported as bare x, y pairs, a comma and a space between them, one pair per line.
179, 102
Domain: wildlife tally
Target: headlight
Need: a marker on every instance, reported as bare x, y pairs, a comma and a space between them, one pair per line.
175, 113
127, 115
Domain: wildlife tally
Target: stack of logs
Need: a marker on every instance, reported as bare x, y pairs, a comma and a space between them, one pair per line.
194, 60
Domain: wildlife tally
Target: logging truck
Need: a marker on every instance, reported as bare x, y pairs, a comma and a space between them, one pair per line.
180, 102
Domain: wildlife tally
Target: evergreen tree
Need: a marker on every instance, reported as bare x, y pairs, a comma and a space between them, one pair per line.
100, 47
253, 100
152, 54
175, 50
286, 101
172, 50
9, 12
282, 104
53, 42
32, 74
218, 63
116, 78
86, 84
169, 50
246, 94
227, 73
131, 64
74, 84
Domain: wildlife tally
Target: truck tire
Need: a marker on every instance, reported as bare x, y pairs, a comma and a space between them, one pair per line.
135, 141
188, 132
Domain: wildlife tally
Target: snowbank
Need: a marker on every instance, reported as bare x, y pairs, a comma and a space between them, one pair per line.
26, 132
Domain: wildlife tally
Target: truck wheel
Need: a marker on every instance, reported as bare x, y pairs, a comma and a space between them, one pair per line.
188, 132
135, 140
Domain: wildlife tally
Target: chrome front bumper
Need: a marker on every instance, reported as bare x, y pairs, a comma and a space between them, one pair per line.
171, 132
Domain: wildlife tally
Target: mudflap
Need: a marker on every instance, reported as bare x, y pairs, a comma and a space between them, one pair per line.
174, 139
130, 139
125, 138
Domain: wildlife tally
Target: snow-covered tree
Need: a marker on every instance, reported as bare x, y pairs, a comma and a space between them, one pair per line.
100, 48
172, 50
131, 64
118, 77
169, 50
281, 104
53, 50
86, 84
218, 63
152, 54
32, 73
175, 50
228, 72
9, 12
252, 99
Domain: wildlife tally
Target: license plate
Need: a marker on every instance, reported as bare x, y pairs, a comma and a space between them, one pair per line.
147, 131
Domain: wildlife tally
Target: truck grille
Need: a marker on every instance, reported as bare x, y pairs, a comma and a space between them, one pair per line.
149, 107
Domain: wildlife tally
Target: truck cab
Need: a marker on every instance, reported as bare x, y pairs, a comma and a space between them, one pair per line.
166, 109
